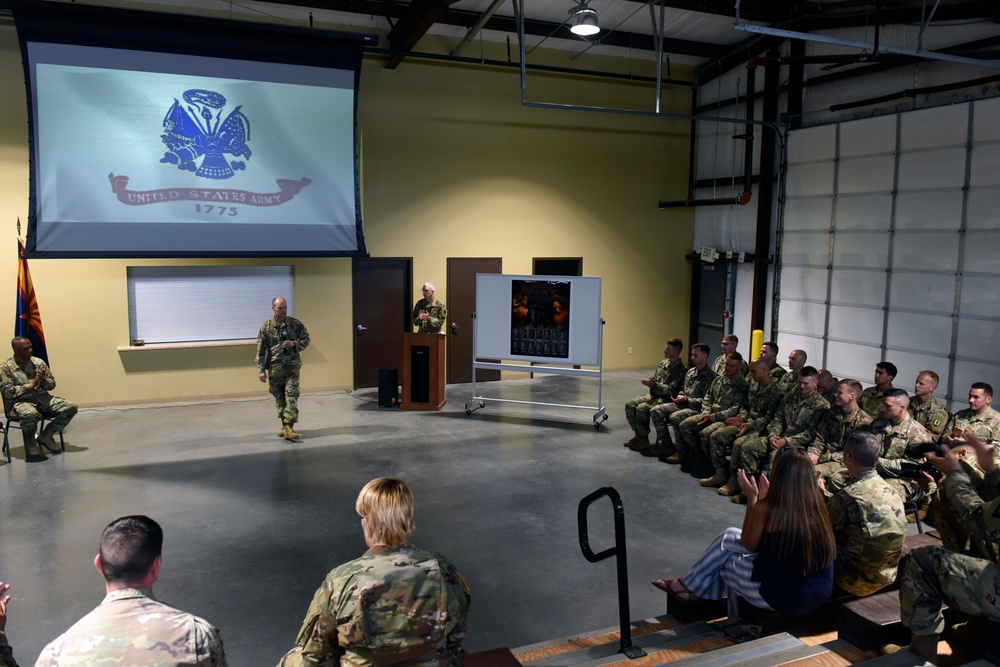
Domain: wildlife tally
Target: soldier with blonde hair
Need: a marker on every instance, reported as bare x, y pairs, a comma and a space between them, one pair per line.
395, 605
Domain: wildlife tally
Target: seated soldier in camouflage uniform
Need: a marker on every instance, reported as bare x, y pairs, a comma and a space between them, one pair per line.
729, 344
789, 382
827, 384
762, 402
663, 385
685, 404
934, 575
982, 421
25, 382
132, 627
868, 519
897, 431
723, 399
769, 353
839, 422
925, 409
871, 398
794, 424
394, 605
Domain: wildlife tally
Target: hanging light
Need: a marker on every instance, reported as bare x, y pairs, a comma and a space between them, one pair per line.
583, 20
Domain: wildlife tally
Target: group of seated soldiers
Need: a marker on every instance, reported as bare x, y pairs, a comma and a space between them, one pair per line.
701, 415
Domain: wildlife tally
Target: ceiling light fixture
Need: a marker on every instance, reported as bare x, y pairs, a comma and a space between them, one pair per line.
583, 20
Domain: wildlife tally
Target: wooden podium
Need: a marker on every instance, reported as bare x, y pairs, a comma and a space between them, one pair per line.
423, 371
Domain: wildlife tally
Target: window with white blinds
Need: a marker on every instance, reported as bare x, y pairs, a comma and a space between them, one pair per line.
174, 304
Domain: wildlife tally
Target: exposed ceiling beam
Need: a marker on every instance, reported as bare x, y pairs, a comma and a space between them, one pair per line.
965, 11
765, 11
418, 19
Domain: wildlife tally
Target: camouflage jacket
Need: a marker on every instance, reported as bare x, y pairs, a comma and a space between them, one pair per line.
788, 382
777, 372
6, 654
437, 314
869, 525
130, 627
762, 402
980, 518
834, 430
695, 385
932, 415
986, 426
667, 379
871, 401
895, 438
393, 606
797, 418
271, 355
15, 376
725, 397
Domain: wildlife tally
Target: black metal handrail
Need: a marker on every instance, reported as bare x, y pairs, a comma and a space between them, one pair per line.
618, 550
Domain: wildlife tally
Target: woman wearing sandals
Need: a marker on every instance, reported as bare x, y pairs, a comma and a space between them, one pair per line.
782, 559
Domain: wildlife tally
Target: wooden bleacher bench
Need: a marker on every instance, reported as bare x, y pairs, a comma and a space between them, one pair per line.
872, 621
494, 657
688, 611
771, 621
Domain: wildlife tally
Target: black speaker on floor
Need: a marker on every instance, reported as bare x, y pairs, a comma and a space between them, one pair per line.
388, 388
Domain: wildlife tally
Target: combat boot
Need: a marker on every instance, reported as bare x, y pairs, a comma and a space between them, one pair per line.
720, 478
46, 440
289, 433
32, 454
674, 458
284, 431
639, 442
730, 488
739, 499
631, 441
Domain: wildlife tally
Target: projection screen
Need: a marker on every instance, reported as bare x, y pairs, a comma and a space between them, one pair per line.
157, 135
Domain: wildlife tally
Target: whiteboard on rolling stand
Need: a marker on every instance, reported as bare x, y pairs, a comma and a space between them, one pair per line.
541, 319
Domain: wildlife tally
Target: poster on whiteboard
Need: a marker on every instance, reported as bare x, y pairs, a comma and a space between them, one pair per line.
539, 318
545, 319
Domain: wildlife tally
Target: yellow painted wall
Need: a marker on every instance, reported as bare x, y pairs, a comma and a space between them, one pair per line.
453, 166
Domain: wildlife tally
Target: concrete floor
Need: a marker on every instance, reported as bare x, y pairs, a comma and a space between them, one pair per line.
253, 523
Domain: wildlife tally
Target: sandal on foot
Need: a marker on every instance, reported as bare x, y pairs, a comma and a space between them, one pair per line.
675, 586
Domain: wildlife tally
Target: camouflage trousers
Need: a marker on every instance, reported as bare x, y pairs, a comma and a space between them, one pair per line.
677, 417
637, 412
749, 453
285, 389
720, 440
828, 469
697, 439
661, 416
954, 535
58, 411
934, 575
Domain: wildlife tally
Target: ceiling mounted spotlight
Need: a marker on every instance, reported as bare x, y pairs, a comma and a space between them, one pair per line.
583, 20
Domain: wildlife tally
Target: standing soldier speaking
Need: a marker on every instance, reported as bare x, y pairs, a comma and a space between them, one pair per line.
279, 342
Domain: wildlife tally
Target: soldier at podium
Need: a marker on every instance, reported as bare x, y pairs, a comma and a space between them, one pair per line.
429, 314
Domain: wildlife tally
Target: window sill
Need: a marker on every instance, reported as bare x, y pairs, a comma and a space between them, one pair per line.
187, 345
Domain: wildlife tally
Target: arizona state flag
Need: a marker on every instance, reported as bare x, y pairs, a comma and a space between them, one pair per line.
28, 322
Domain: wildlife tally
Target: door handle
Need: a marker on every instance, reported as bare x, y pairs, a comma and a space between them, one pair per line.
454, 327
362, 329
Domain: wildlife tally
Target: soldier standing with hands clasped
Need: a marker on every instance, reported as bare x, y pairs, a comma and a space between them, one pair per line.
279, 342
